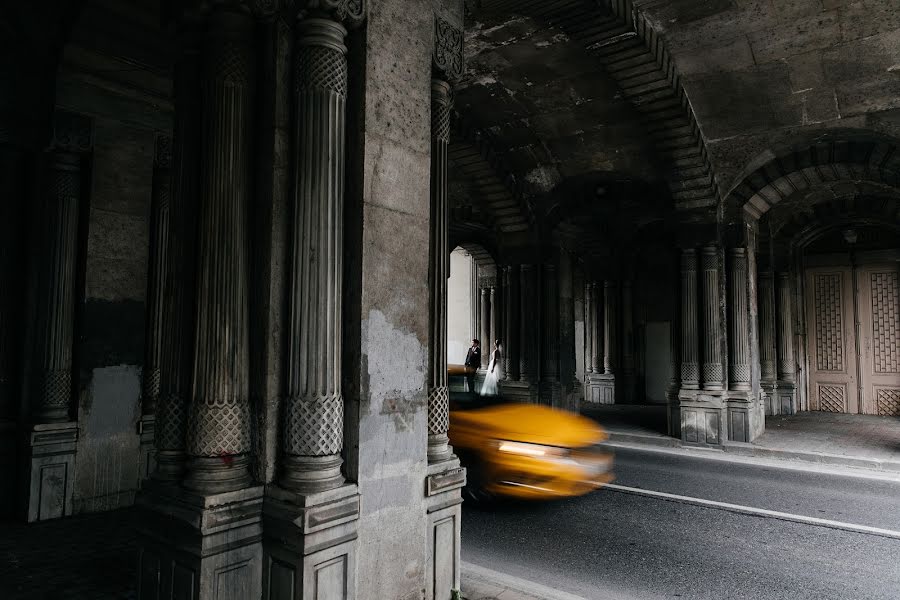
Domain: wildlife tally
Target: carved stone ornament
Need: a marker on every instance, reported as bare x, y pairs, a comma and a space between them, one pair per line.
163, 158
349, 12
448, 48
72, 132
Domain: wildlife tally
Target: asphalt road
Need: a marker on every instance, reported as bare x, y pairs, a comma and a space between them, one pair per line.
611, 542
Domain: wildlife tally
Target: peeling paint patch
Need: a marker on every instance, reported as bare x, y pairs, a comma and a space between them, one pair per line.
543, 178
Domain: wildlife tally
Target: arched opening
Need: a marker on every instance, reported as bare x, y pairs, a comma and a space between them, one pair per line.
461, 303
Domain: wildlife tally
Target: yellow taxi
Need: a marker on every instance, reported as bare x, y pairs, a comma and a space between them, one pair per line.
525, 451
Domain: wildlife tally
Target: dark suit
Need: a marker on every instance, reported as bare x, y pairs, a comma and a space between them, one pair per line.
473, 362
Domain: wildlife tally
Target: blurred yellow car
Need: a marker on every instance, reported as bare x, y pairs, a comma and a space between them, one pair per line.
525, 451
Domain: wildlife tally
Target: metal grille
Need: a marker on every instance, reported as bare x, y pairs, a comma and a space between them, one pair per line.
829, 323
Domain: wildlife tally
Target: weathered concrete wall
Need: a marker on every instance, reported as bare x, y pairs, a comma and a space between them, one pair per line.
392, 311
762, 73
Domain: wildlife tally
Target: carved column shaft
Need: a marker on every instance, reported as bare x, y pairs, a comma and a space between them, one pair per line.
610, 300
527, 326
627, 329
219, 420
713, 375
494, 315
597, 316
314, 408
550, 369
438, 395
785, 329
513, 345
51, 378
507, 321
484, 333
767, 325
156, 276
588, 328
178, 325
690, 333
739, 338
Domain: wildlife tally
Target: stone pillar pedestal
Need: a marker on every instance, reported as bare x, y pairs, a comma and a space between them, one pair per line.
310, 548
197, 546
442, 490
50, 463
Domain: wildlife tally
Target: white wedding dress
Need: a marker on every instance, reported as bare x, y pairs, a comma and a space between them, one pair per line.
491, 385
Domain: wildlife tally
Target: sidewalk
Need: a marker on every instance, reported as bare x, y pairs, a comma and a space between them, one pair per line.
480, 583
856, 441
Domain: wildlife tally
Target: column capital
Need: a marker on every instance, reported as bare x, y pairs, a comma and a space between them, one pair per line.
72, 132
447, 55
351, 13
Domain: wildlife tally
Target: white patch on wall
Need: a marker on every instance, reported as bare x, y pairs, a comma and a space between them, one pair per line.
106, 466
459, 306
396, 359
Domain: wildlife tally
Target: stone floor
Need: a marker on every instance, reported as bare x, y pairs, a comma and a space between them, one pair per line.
857, 436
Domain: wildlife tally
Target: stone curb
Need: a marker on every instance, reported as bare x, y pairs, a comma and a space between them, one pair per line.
751, 450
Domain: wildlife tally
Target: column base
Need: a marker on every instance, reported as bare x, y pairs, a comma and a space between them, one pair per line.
8, 460
218, 474
199, 547
551, 393
520, 391
443, 485
746, 416
600, 388
49, 457
310, 474
147, 457
784, 398
310, 544
703, 417
439, 449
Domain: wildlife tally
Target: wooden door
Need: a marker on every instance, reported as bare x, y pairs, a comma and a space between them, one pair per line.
832, 349
879, 316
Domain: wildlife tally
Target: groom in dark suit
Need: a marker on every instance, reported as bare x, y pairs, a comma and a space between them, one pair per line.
473, 362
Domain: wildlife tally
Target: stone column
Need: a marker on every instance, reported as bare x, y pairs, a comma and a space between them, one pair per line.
597, 315
507, 319
713, 376
527, 326
628, 340
739, 338
785, 330
690, 334
438, 394
484, 330
767, 326
588, 328
156, 279
219, 418
178, 325
610, 299
513, 316
314, 407
494, 323
52, 437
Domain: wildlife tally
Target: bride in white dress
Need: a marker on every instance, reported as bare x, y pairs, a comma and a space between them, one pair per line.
491, 385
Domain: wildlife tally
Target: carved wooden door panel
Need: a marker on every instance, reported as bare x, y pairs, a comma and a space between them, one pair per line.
832, 349
879, 315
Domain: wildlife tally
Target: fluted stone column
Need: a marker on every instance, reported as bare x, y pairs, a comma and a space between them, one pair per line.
219, 419
767, 326
438, 394
597, 316
527, 326
713, 376
513, 317
610, 300
786, 367
494, 323
507, 320
588, 328
690, 334
314, 407
177, 352
159, 233
739, 338
484, 331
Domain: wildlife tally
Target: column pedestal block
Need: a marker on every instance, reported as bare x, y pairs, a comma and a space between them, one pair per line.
520, 391
310, 544
50, 470
147, 458
745, 416
769, 399
199, 547
600, 388
444, 505
785, 397
551, 393
703, 417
